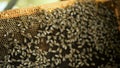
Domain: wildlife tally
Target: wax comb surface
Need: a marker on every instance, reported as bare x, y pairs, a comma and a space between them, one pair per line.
83, 35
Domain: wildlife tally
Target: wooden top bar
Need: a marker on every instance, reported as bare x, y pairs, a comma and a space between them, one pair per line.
30, 10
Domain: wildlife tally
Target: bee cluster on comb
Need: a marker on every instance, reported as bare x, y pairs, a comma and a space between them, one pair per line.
83, 35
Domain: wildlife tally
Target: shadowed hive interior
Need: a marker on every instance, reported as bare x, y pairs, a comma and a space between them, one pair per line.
82, 35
